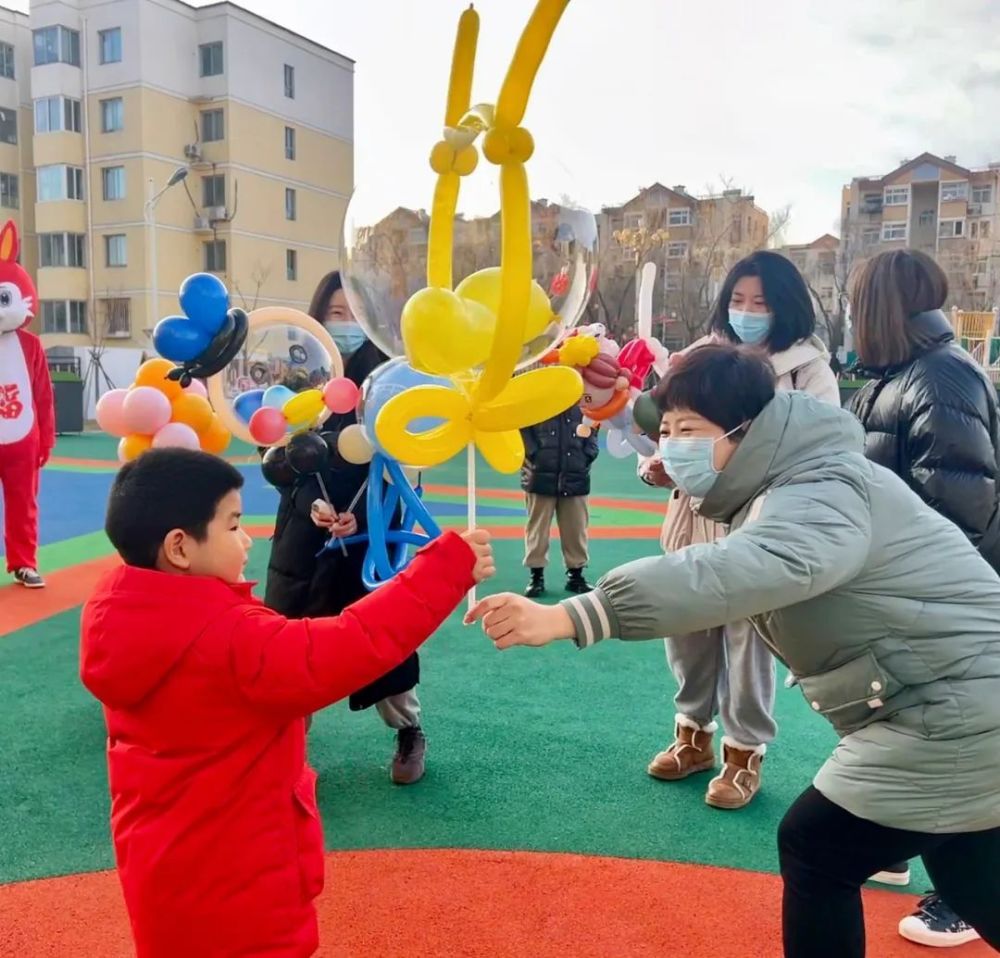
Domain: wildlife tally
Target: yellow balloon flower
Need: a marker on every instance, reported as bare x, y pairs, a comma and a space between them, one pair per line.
493, 313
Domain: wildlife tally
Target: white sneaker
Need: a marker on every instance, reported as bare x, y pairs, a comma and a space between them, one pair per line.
892, 876
934, 924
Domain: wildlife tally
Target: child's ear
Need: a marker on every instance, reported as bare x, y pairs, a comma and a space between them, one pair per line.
174, 550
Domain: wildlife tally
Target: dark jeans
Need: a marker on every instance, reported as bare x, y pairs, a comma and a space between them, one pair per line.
827, 854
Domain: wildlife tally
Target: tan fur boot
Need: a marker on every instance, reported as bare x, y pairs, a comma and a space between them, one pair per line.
690, 752
739, 780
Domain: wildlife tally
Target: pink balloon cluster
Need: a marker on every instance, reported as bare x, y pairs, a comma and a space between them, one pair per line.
142, 416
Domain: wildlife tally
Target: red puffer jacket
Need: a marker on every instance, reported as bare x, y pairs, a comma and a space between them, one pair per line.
216, 829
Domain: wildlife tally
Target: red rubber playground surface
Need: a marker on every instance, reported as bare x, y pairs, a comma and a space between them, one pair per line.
536, 831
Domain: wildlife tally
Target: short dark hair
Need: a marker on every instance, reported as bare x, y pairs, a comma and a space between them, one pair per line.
787, 299
725, 384
161, 490
886, 292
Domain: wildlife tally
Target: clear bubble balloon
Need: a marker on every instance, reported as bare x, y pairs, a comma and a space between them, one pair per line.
386, 242
287, 358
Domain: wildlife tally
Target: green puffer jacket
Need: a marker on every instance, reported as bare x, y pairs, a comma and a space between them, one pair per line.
885, 614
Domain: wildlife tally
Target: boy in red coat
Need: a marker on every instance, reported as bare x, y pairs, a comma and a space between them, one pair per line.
27, 415
216, 829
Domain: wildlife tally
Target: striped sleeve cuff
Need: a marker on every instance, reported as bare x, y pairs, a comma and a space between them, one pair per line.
593, 618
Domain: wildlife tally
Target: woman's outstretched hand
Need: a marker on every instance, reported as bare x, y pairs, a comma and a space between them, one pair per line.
510, 620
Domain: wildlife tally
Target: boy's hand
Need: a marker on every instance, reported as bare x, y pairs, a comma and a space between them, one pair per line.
510, 620
478, 540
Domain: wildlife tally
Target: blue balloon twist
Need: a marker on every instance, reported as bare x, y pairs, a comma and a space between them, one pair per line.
388, 548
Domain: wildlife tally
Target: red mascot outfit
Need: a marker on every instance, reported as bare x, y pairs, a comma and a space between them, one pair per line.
27, 414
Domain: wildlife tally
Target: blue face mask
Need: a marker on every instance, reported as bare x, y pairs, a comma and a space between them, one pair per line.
751, 328
348, 336
690, 462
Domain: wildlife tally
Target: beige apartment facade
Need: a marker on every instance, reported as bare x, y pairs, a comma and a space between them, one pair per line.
210, 135
693, 240
935, 205
817, 262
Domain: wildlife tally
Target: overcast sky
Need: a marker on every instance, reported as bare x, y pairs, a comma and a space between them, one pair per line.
787, 98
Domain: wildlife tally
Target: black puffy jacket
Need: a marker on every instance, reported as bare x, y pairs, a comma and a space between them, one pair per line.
557, 461
934, 422
300, 585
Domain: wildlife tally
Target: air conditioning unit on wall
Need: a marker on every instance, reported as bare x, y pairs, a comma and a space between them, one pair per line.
192, 152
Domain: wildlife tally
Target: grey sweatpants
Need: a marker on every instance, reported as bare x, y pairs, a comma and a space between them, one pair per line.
726, 672
572, 515
400, 711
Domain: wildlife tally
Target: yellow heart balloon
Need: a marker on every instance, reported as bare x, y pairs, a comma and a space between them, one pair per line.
443, 334
484, 288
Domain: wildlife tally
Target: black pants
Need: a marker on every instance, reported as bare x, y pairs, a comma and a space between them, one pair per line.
827, 854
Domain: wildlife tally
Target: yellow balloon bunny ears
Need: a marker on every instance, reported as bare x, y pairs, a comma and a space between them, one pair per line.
475, 334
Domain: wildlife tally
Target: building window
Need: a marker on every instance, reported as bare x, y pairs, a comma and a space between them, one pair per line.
60, 183
112, 115
826, 295
7, 61
893, 231
117, 317
57, 114
210, 56
680, 218
57, 45
213, 125
61, 249
869, 236
113, 181
673, 282
111, 45
291, 265
981, 266
927, 217
896, 196
115, 250
215, 256
8, 126
289, 143
984, 229
676, 250
213, 190
289, 204
954, 191
9, 192
64, 316
950, 229
290, 82
982, 195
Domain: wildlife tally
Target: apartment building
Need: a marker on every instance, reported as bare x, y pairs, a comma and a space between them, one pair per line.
933, 204
817, 262
153, 140
693, 240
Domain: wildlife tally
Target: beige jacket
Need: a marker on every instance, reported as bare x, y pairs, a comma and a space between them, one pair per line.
804, 366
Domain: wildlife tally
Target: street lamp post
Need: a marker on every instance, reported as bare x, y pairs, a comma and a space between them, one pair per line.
150, 209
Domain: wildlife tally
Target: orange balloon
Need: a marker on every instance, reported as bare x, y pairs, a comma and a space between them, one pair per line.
133, 446
153, 373
216, 438
193, 411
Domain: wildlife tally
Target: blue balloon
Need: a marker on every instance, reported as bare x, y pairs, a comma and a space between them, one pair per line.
178, 339
389, 380
205, 299
276, 396
388, 545
246, 404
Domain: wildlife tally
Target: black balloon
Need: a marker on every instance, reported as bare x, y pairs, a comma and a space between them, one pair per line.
276, 469
307, 453
224, 346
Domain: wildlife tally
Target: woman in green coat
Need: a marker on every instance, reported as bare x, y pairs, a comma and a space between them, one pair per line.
884, 613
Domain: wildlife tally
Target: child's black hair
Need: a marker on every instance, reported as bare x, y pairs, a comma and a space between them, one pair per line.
162, 490
727, 385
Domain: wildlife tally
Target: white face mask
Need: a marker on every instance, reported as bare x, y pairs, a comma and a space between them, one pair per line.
690, 462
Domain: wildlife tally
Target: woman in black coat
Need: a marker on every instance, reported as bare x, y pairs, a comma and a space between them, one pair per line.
931, 416
301, 585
